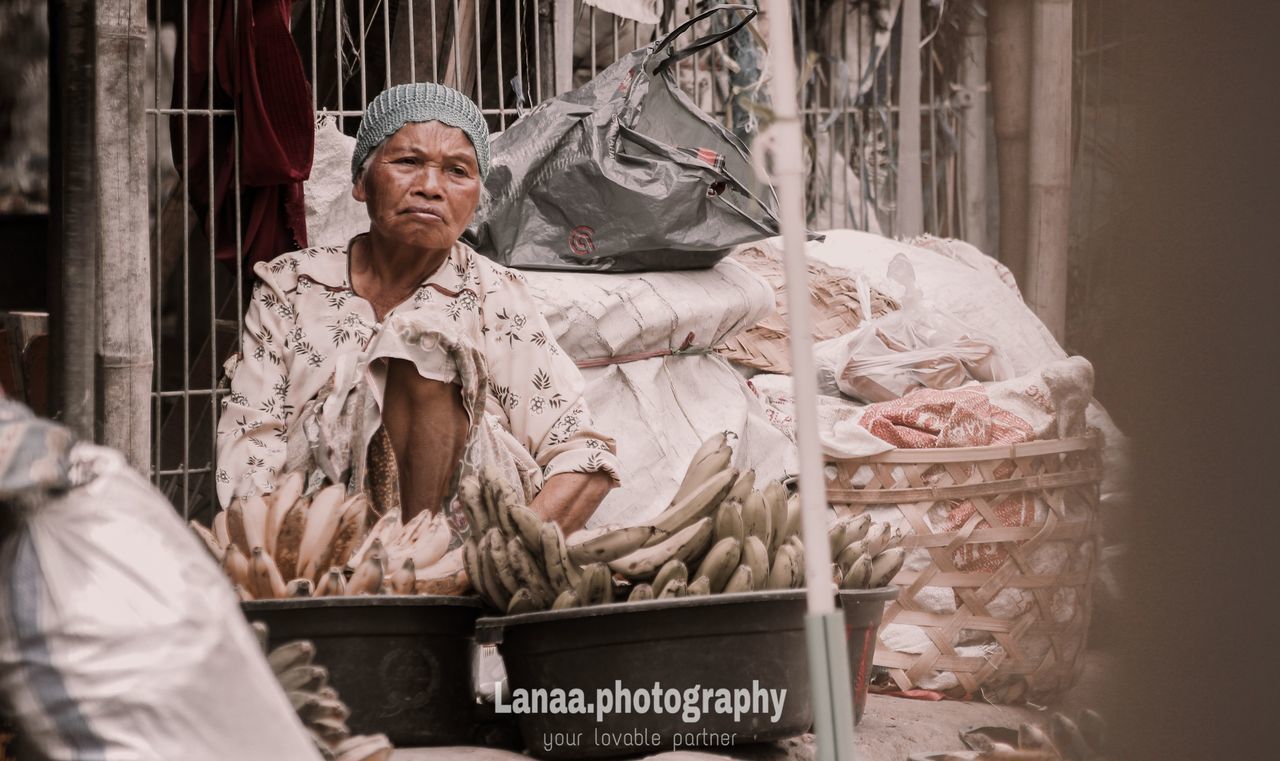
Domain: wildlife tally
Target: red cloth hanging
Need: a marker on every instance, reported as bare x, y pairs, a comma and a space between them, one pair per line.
257, 71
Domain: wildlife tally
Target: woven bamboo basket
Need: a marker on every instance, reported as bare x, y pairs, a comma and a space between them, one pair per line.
1002, 547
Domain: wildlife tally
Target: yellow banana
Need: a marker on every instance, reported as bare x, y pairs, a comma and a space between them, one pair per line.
676, 588
494, 548
386, 530
886, 565
740, 581
775, 498
728, 522
756, 517
858, 575
244, 594
471, 563
640, 593
611, 545
566, 599
561, 571
236, 528
711, 445
684, 545
289, 541
835, 535
529, 572
712, 465
219, 529
522, 601
368, 578
756, 557
236, 566
855, 529
793, 517
322, 524
528, 527
255, 521
700, 586
265, 581
783, 573
470, 496
298, 588
742, 486
697, 505
850, 554
877, 538
364, 748
596, 586
288, 490
718, 564
402, 580
352, 519
208, 539
334, 584
492, 485
299, 652
672, 570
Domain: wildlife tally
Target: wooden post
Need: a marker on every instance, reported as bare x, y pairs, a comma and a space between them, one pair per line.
910, 222
1009, 69
1049, 198
973, 138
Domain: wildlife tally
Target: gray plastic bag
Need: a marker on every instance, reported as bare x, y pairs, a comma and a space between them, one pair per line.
624, 174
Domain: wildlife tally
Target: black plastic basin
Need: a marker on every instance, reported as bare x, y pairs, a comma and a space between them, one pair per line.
718, 642
402, 664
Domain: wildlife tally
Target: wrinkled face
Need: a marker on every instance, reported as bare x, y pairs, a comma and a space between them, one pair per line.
422, 186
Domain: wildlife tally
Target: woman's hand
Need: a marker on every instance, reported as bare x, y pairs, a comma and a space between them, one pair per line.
570, 499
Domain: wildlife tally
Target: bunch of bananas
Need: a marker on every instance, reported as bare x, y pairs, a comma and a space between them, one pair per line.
720, 534
318, 705
290, 545
867, 555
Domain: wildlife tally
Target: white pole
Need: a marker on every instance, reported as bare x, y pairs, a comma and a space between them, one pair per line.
973, 140
910, 185
828, 656
564, 45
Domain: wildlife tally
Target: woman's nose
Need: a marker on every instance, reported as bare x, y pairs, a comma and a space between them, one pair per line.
430, 182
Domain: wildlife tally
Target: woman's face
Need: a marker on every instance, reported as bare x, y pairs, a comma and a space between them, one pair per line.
422, 186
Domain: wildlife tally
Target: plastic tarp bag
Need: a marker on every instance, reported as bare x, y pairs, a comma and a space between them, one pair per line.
120, 637
917, 346
625, 173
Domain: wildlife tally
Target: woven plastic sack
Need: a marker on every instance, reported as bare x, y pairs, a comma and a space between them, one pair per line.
623, 174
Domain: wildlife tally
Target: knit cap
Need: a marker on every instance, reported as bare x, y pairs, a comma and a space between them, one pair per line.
422, 102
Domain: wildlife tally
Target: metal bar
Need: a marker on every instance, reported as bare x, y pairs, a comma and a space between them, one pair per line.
338, 79
563, 45
158, 288
364, 94
315, 22
499, 51
413, 45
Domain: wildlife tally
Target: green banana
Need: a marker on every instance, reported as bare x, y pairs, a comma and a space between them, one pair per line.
745, 482
522, 602
640, 593
835, 535
783, 574
701, 586
756, 516
698, 504
561, 571
728, 521
775, 498
877, 538
491, 576
528, 527
676, 588
566, 599
855, 528
495, 546
684, 545
793, 516
596, 586
471, 563
472, 501
858, 575
740, 581
756, 557
718, 564
702, 469
886, 565
611, 545
850, 554
529, 572
670, 571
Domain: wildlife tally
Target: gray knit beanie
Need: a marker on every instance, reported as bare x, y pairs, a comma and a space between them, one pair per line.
423, 102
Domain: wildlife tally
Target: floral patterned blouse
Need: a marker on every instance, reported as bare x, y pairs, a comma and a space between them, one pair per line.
305, 321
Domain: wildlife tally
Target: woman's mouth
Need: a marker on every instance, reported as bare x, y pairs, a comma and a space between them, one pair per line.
425, 213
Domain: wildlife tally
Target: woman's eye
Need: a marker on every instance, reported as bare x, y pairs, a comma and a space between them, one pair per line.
459, 171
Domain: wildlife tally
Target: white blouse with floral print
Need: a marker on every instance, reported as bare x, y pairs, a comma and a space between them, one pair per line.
305, 317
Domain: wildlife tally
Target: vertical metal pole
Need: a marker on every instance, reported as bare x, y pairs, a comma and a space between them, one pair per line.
827, 650
124, 258
973, 136
74, 214
564, 45
910, 185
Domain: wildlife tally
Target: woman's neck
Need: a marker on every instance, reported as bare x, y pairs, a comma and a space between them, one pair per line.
385, 273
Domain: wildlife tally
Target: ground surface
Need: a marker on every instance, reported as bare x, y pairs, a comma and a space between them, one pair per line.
891, 729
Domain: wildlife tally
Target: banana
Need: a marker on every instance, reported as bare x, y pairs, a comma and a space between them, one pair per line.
385, 530
305, 678
700, 471
793, 516
837, 575
756, 517
797, 547
364, 748
210, 541
493, 485
402, 580
676, 588
700, 586
334, 584
710, 446
236, 528
219, 529
322, 524
328, 730
1068, 739
775, 498
236, 566
561, 571
494, 551
640, 593
288, 490
858, 575
850, 554
522, 602
352, 519
886, 565
728, 522
896, 538
698, 504
1094, 729
855, 529
877, 538
242, 593
290, 655
596, 586
254, 509
1031, 737
718, 564
368, 578
783, 573
740, 581
299, 588
471, 563
316, 708
611, 545
265, 581
670, 571
566, 599
835, 535
426, 542
756, 557
470, 497
528, 527
530, 573
684, 545
742, 486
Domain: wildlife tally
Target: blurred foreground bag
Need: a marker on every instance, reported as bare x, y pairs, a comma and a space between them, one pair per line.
623, 174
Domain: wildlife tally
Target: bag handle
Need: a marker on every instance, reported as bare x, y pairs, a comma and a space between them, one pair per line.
702, 42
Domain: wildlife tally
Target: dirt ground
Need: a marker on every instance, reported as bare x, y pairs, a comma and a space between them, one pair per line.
891, 729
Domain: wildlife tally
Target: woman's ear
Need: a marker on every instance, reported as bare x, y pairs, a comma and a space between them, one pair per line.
357, 188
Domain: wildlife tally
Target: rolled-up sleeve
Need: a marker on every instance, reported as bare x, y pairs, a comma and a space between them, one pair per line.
256, 413
540, 389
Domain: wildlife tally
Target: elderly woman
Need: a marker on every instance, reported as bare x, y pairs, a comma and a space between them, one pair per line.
396, 362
